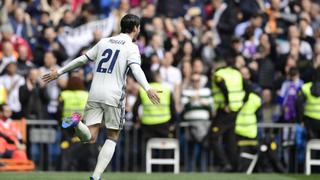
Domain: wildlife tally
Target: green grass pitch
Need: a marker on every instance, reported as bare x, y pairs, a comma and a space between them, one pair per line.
156, 176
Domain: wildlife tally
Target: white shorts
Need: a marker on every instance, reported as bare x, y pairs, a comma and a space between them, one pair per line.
97, 113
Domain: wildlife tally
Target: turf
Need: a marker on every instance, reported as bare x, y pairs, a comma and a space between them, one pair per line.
157, 176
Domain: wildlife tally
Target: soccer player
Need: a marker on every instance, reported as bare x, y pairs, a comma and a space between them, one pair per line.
113, 57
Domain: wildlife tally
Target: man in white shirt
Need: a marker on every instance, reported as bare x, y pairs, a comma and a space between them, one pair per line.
113, 57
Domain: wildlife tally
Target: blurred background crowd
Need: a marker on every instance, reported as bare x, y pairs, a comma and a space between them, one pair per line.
275, 44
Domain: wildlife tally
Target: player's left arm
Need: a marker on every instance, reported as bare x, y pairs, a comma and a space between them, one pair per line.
142, 80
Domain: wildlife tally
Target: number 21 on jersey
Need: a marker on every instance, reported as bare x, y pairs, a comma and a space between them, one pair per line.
107, 55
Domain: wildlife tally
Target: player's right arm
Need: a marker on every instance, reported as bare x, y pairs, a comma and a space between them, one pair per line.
54, 73
91, 55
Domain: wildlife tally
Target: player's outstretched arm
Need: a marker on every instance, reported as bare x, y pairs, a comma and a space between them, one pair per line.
142, 80
54, 73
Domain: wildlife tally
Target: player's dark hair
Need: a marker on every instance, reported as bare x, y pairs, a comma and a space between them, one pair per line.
128, 22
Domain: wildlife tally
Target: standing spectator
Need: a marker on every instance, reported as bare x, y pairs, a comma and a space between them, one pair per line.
197, 104
289, 94
207, 51
171, 76
33, 96
12, 81
53, 88
23, 62
223, 24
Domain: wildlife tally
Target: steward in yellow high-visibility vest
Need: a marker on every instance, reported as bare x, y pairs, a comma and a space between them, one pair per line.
309, 106
155, 118
246, 127
228, 89
246, 121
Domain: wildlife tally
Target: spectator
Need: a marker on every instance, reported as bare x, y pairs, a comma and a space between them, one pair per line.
270, 110
289, 95
8, 35
23, 62
55, 9
53, 88
33, 96
11, 143
197, 104
186, 70
49, 42
223, 24
8, 55
197, 68
21, 23
156, 46
12, 82
171, 76
255, 21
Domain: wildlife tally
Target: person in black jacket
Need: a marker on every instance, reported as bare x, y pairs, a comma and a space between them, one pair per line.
33, 96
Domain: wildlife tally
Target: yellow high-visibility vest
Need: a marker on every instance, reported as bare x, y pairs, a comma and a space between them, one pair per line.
156, 113
312, 105
233, 81
3, 95
246, 121
74, 101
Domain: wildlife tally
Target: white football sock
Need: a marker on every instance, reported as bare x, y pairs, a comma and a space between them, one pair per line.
83, 132
104, 158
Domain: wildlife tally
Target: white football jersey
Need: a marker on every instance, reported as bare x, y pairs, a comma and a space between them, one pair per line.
112, 57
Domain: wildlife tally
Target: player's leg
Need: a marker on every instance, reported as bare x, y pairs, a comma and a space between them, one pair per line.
114, 119
106, 153
87, 133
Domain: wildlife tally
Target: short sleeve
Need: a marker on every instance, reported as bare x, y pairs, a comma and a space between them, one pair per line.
134, 56
92, 53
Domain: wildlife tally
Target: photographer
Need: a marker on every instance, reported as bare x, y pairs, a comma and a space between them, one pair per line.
33, 96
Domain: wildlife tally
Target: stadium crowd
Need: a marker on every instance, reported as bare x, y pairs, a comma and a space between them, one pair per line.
275, 44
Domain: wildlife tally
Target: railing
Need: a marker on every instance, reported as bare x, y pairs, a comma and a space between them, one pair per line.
128, 155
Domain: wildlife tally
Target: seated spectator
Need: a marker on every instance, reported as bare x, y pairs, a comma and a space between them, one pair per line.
12, 82
197, 68
186, 70
11, 143
7, 55
49, 42
8, 35
256, 23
